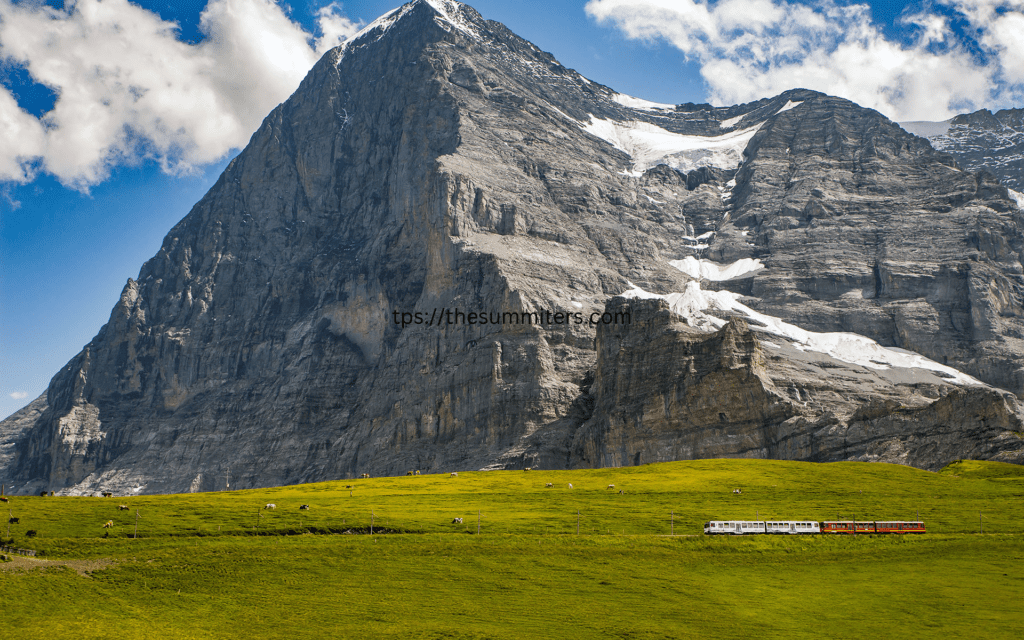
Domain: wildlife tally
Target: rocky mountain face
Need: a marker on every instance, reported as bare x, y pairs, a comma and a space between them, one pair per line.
982, 141
793, 278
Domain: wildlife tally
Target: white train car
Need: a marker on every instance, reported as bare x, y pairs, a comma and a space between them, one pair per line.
792, 527
733, 527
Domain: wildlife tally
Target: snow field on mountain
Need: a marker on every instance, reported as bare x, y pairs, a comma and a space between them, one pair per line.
697, 268
694, 305
640, 103
650, 145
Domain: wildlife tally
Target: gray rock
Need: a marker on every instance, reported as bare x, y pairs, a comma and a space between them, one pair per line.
666, 391
981, 141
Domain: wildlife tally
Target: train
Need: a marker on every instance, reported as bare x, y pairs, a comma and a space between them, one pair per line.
806, 527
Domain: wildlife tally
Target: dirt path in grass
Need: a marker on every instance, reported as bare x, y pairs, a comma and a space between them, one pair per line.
82, 567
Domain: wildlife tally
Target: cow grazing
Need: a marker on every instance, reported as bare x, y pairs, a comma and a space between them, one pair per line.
570, 485
611, 486
108, 494
548, 485
457, 521
270, 505
417, 472
304, 507
348, 486
365, 475
454, 474
42, 494
122, 507
109, 524
14, 521
528, 469
4, 500
408, 473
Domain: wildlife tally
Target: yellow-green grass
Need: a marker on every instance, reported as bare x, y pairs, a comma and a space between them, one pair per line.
518, 502
528, 574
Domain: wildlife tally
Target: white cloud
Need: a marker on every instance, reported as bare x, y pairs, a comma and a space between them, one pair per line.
335, 28
750, 49
127, 89
19, 395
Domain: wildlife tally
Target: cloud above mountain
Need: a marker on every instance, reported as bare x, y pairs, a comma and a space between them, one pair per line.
128, 89
956, 56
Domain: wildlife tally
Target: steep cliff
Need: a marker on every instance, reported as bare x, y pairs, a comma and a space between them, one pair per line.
664, 390
437, 164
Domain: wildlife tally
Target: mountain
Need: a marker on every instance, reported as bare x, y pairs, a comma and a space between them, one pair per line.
982, 140
447, 251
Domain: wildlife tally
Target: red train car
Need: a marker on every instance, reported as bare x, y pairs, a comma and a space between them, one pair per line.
875, 526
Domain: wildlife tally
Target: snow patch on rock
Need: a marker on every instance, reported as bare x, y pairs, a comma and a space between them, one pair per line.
708, 270
697, 306
450, 12
1018, 197
789, 105
731, 122
650, 145
640, 103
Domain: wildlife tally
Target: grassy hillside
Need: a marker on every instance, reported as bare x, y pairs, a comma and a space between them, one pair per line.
198, 570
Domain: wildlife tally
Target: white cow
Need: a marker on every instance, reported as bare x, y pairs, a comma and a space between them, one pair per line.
270, 505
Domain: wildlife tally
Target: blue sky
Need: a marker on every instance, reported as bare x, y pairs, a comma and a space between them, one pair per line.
116, 117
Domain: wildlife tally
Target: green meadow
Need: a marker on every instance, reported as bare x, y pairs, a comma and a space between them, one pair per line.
558, 562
